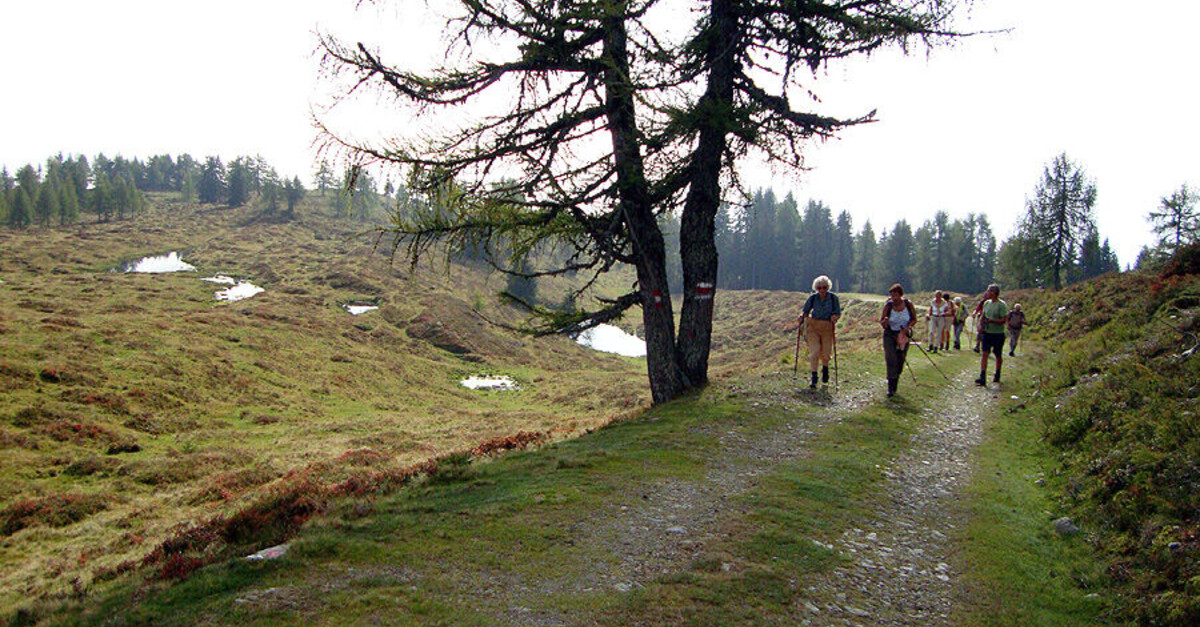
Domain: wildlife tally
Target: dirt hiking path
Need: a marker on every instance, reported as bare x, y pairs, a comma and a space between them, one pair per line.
898, 569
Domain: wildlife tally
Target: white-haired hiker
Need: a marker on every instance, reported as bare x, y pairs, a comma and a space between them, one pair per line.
821, 311
939, 312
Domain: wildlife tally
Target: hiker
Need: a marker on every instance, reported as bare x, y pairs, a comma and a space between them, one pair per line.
823, 307
939, 309
1016, 321
897, 320
977, 316
960, 321
994, 319
949, 322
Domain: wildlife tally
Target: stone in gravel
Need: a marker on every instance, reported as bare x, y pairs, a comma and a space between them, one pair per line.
1065, 527
676, 530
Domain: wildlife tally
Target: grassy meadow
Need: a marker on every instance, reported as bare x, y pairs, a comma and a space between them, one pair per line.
133, 403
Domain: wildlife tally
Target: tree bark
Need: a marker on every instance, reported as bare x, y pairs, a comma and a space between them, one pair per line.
666, 379
697, 232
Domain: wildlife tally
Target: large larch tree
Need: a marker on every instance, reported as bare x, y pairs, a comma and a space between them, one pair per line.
586, 120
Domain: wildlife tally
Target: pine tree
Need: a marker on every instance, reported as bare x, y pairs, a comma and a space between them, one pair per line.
841, 265
866, 250
294, 191
1177, 220
211, 186
241, 181
47, 206
21, 212
1060, 215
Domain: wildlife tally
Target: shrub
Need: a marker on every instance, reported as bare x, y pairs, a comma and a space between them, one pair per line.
57, 510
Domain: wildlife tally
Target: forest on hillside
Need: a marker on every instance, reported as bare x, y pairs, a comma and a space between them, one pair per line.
767, 242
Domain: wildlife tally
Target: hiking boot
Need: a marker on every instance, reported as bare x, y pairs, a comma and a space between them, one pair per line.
996, 378
933, 349
976, 349
1010, 354
892, 387
980, 381
824, 374
813, 385
957, 346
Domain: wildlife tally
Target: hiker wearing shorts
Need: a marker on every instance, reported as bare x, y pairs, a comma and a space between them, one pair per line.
897, 320
821, 311
994, 320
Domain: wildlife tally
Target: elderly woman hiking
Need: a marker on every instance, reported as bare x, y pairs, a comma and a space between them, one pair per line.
824, 310
897, 319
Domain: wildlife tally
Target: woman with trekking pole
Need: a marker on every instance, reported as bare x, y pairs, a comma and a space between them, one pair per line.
897, 320
821, 311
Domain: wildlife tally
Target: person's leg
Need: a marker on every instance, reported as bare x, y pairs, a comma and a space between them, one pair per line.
986, 344
814, 350
891, 357
826, 331
999, 356
958, 329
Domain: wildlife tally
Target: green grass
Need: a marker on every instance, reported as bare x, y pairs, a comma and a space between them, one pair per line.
1020, 571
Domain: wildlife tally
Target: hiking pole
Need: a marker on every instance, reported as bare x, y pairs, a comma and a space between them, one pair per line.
796, 361
835, 368
935, 366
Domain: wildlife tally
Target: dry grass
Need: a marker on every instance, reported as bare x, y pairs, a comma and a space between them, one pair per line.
131, 403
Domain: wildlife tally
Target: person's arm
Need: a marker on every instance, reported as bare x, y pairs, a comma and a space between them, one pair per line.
808, 305
837, 308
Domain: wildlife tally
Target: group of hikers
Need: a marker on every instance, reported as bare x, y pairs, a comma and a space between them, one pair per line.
994, 323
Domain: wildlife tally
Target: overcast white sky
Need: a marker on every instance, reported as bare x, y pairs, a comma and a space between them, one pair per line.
966, 129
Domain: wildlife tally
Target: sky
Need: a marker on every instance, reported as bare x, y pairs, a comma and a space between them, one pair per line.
967, 128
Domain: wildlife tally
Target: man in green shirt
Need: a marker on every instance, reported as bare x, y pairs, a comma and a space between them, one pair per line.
995, 317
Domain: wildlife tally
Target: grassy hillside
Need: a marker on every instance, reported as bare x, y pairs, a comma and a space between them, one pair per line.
132, 403
1118, 401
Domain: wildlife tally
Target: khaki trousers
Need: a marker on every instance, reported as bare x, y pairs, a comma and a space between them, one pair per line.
819, 336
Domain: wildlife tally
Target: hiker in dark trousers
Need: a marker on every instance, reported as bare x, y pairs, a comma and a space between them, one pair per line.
822, 311
995, 318
1016, 321
897, 320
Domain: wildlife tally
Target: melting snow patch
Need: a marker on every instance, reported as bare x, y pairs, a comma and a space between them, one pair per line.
490, 383
241, 291
220, 278
356, 310
162, 263
609, 339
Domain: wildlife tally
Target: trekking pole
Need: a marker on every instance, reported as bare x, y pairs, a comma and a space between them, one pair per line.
835, 368
935, 366
796, 361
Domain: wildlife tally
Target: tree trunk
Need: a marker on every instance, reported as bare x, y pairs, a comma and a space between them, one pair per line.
697, 232
666, 380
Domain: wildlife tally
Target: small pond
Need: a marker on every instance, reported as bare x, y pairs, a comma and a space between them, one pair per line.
610, 339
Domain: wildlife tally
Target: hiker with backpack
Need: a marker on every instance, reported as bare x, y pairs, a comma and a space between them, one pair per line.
1016, 321
994, 320
897, 320
821, 311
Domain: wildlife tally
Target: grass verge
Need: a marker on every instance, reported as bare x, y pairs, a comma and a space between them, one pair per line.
1019, 570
